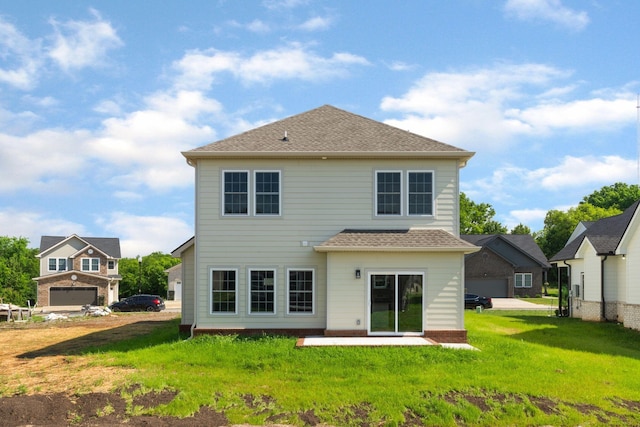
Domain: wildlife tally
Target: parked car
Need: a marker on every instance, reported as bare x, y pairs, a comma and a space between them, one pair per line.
473, 300
141, 302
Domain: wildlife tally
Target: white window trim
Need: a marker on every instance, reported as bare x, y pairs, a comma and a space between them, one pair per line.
275, 292
433, 199
375, 191
222, 313
57, 264
90, 269
523, 281
255, 192
223, 193
313, 292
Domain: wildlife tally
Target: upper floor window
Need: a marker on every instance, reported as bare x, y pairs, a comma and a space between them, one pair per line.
420, 193
524, 280
265, 199
390, 193
111, 264
267, 193
236, 193
90, 264
57, 264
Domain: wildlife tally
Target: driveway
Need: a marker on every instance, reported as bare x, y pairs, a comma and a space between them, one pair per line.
521, 304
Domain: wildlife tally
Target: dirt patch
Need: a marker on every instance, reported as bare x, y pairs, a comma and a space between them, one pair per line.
46, 380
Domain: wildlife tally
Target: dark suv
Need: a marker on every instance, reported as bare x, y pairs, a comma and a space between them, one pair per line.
141, 302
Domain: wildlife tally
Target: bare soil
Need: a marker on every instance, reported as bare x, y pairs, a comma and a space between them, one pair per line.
46, 381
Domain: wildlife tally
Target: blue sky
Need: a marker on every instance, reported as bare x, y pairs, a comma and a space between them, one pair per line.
98, 99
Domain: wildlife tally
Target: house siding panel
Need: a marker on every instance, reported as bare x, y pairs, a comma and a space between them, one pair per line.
319, 199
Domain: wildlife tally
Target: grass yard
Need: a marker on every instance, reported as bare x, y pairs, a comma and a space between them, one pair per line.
531, 369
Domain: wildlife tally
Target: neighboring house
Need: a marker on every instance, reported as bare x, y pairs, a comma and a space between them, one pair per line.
508, 265
603, 263
330, 223
78, 270
174, 279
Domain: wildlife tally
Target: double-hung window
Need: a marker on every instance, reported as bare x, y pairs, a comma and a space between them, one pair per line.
57, 264
267, 193
524, 280
90, 264
300, 291
224, 291
420, 193
264, 197
393, 191
262, 291
389, 193
236, 193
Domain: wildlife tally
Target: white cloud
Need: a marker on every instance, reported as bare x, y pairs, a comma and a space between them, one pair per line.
141, 235
198, 69
80, 44
33, 225
581, 172
525, 216
144, 146
258, 26
40, 161
487, 108
547, 10
21, 57
580, 114
316, 24
139, 150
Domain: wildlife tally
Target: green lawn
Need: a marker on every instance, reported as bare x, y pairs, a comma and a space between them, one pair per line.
531, 369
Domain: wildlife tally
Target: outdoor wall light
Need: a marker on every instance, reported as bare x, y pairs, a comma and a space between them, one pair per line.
358, 275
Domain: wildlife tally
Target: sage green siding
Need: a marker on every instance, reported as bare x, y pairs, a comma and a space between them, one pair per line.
319, 198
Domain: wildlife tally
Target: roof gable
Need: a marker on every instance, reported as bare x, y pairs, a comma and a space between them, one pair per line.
328, 131
524, 243
110, 246
604, 235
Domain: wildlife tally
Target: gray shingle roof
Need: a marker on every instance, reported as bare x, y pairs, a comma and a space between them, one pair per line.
604, 234
414, 239
108, 245
524, 242
328, 130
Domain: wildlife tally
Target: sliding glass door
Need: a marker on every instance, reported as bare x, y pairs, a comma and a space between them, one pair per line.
396, 304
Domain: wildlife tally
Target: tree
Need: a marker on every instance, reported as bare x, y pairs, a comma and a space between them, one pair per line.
618, 195
18, 266
559, 225
477, 218
146, 277
520, 229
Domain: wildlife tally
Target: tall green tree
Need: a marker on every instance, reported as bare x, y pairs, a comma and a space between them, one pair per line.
618, 195
477, 218
559, 225
520, 229
146, 276
18, 266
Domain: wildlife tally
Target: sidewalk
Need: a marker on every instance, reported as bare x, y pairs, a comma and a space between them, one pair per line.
521, 304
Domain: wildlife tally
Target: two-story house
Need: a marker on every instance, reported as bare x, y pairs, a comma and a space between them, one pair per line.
329, 223
78, 270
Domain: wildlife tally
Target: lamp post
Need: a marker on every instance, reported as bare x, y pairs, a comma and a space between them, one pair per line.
139, 273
